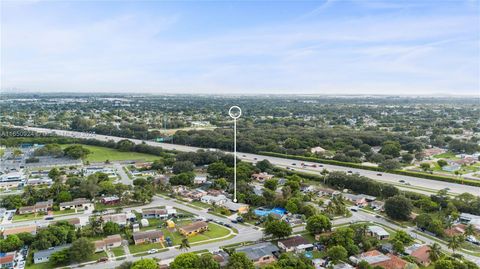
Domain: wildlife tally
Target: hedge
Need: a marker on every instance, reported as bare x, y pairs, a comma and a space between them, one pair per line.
378, 169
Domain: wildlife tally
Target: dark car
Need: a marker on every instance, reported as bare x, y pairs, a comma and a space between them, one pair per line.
379, 174
102, 259
350, 171
234, 221
239, 219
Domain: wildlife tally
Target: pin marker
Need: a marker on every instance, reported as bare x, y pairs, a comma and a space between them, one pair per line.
235, 112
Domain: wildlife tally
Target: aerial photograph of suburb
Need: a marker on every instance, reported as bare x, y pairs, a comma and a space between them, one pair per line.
240, 134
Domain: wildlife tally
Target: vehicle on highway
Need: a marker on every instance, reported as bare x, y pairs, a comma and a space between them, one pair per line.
152, 251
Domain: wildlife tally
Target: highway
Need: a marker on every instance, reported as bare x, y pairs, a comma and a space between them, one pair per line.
420, 185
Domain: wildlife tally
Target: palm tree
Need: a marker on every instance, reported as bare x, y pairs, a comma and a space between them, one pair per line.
185, 245
455, 242
435, 252
469, 230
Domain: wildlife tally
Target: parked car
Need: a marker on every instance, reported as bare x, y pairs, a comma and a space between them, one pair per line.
349, 171
49, 218
152, 251
401, 181
379, 174
102, 259
239, 219
234, 221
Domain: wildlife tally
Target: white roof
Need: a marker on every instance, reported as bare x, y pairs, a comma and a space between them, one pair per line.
378, 230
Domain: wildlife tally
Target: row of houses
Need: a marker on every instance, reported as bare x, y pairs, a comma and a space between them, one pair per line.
39, 207
211, 197
45, 206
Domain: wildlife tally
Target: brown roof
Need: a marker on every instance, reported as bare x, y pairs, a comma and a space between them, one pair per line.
22, 229
422, 254
147, 235
393, 263
113, 239
194, 226
294, 241
26, 208
99, 244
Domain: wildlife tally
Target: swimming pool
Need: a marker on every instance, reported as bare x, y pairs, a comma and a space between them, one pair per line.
264, 211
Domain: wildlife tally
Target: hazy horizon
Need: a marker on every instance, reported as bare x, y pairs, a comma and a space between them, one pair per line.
412, 48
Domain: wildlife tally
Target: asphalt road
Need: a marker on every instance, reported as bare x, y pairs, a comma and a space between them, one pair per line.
416, 184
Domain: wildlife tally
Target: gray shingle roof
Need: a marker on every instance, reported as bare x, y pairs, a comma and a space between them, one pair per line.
257, 251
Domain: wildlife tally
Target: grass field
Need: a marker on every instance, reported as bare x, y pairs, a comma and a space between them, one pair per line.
118, 251
144, 247
101, 154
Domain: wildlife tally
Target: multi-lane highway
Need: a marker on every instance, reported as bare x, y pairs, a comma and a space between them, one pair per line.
420, 185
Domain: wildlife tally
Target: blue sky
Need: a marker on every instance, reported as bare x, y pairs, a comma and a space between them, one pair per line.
242, 47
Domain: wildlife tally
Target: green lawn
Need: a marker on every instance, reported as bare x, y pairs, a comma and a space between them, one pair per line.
26, 217
101, 154
97, 256
214, 231
143, 247
200, 204
118, 251
446, 155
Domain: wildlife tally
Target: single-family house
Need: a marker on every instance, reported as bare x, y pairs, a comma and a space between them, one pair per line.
110, 200
261, 176
32, 229
214, 200
110, 241
152, 236
296, 244
43, 256
154, 213
236, 207
376, 258
199, 179
77, 204
39, 207
260, 254
221, 257
193, 228
420, 252
7, 260
378, 232
120, 218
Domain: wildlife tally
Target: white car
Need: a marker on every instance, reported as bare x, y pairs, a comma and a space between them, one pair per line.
152, 251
